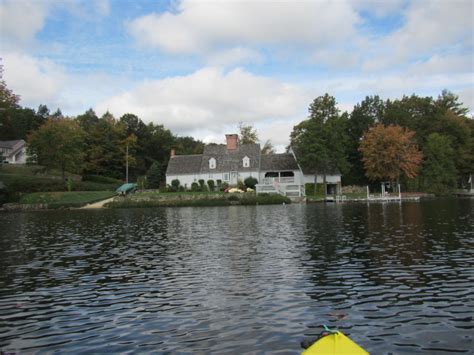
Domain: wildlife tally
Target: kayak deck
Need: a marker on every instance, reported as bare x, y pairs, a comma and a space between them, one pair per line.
335, 344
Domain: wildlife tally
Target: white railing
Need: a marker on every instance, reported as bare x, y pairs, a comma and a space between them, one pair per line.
281, 180
285, 190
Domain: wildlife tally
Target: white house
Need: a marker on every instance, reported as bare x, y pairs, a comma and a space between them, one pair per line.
13, 152
231, 162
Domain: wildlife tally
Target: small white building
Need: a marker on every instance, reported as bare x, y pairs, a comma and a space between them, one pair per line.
231, 162
13, 152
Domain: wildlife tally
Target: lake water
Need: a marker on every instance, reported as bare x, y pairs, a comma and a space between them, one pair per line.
397, 278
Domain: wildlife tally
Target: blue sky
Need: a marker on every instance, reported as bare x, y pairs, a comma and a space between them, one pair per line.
200, 67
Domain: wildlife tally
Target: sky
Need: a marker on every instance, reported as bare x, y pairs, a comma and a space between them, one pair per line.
201, 67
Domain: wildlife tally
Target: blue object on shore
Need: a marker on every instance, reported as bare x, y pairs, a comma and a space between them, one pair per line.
127, 188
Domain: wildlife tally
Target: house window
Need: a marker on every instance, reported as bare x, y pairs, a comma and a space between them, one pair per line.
212, 163
246, 162
225, 177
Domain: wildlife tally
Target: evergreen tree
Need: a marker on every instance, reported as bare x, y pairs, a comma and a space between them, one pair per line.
439, 172
154, 176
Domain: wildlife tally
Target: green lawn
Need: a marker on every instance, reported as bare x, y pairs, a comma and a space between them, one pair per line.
66, 199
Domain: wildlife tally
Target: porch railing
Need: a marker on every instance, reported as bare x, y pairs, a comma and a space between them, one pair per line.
281, 180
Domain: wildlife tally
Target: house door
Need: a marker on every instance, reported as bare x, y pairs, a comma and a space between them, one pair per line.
233, 177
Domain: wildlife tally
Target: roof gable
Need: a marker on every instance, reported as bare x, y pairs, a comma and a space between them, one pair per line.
231, 160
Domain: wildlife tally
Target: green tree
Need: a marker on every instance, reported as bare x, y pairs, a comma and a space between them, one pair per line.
439, 173
87, 120
103, 153
8, 99
390, 152
58, 144
320, 141
364, 115
17, 123
449, 101
248, 135
154, 176
187, 145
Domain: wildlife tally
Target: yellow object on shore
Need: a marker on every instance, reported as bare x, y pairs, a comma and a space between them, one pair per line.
334, 344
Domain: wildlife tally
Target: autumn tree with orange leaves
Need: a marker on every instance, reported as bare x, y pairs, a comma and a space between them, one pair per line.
390, 151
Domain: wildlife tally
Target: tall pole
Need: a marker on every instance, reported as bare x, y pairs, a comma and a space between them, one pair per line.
126, 165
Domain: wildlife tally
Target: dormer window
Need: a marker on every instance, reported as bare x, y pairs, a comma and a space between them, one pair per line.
246, 162
212, 163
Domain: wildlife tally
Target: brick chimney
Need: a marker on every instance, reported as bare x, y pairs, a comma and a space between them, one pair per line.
172, 153
232, 141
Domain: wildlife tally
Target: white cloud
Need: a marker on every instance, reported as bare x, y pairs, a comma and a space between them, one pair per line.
234, 56
466, 96
336, 58
438, 64
201, 27
432, 25
20, 20
35, 80
41, 81
429, 28
210, 99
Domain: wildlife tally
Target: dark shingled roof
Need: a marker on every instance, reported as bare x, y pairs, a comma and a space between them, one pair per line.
184, 164
279, 162
10, 144
230, 160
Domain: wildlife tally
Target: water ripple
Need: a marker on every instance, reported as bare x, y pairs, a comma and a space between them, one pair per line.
396, 278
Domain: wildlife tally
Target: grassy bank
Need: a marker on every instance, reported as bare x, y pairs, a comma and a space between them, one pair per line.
19, 180
65, 199
154, 199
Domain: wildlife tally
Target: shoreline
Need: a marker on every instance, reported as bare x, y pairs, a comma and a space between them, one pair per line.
196, 200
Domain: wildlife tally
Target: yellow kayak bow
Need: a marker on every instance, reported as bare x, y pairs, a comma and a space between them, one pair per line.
334, 343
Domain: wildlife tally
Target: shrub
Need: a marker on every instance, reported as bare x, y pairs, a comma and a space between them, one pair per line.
181, 189
224, 186
320, 189
251, 182
211, 185
219, 184
175, 185
309, 189
195, 187
201, 184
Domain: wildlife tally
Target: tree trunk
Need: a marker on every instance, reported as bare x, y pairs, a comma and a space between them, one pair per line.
315, 183
325, 184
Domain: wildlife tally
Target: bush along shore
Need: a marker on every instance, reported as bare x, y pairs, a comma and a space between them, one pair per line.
155, 199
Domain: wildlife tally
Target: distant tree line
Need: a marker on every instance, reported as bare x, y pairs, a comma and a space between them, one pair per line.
88, 144
423, 143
